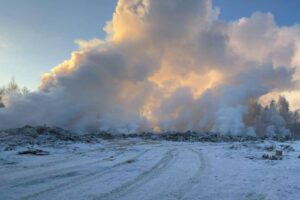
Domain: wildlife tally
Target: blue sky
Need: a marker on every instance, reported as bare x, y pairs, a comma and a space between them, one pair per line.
286, 12
36, 35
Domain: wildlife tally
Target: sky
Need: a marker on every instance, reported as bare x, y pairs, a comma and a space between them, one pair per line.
36, 35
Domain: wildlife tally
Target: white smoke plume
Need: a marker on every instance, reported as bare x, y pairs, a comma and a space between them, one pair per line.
168, 65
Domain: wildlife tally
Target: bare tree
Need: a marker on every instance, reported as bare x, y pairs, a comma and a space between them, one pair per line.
12, 88
2, 92
283, 109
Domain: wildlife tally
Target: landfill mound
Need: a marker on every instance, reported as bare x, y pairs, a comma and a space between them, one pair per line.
44, 135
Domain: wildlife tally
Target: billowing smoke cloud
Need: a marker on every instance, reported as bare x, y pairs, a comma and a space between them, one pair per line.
168, 65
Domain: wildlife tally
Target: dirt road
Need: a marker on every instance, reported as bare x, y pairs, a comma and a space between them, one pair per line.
140, 170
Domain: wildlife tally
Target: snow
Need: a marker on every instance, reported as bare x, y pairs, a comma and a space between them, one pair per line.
134, 169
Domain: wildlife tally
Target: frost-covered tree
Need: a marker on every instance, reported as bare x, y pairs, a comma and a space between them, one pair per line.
273, 119
274, 122
294, 124
283, 109
12, 88
2, 92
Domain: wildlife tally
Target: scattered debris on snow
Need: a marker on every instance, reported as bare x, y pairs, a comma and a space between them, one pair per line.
43, 135
278, 153
270, 147
36, 152
170, 170
271, 157
287, 148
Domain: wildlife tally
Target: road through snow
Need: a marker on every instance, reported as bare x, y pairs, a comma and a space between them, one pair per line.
137, 169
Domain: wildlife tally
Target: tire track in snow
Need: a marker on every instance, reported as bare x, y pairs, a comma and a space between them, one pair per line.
83, 178
195, 180
57, 163
141, 179
48, 172
178, 192
192, 193
186, 182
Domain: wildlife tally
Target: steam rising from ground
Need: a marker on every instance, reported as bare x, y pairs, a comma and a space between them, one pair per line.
168, 65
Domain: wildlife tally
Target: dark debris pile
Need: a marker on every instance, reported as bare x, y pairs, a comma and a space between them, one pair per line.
41, 135
44, 135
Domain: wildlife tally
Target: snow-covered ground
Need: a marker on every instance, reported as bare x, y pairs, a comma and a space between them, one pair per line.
135, 169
